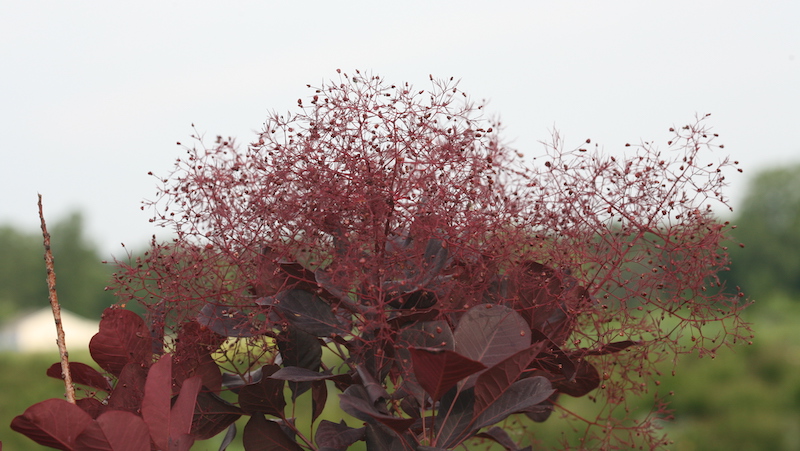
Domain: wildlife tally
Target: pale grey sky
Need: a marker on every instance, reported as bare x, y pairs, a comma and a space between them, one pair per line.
93, 95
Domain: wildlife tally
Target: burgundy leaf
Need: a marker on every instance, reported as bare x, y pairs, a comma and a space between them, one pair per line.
261, 434
552, 359
492, 383
543, 295
264, 397
586, 379
157, 401
611, 348
226, 321
500, 436
374, 388
212, 415
489, 333
427, 334
306, 311
301, 349
116, 430
437, 370
337, 436
520, 396
183, 408
81, 374
354, 401
123, 338
92, 406
378, 437
168, 423
454, 417
54, 422
297, 374
202, 366
319, 396
129, 389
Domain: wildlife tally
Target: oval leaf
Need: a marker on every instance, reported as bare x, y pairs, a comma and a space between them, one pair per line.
496, 380
490, 333
81, 374
264, 397
225, 320
521, 395
123, 338
116, 430
261, 434
53, 422
306, 311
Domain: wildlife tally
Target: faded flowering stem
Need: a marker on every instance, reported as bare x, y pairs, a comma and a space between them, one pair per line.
51, 286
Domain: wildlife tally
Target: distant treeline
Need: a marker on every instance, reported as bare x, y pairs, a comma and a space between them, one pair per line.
81, 275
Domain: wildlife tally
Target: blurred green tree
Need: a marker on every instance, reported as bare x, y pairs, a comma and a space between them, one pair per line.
768, 224
81, 275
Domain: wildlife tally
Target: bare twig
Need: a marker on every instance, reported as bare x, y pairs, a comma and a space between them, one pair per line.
51, 285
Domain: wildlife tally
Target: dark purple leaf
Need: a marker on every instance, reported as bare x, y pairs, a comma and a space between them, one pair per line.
306, 311
82, 374
496, 380
53, 422
425, 334
454, 417
610, 348
543, 295
355, 402
212, 415
437, 370
123, 338
542, 411
337, 436
519, 397
297, 374
552, 359
399, 318
381, 438
226, 321
202, 366
319, 396
266, 396
235, 381
261, 434
374, 389
585, 380
230, 435
490, 333
300, 349
500, 436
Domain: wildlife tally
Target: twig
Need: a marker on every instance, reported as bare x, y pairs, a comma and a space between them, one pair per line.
51, 285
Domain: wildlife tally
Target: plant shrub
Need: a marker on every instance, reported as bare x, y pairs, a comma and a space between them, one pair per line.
385, 243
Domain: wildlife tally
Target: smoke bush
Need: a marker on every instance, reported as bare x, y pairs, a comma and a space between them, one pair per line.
385, 239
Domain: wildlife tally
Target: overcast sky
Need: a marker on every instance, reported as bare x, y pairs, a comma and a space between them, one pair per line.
93, 95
